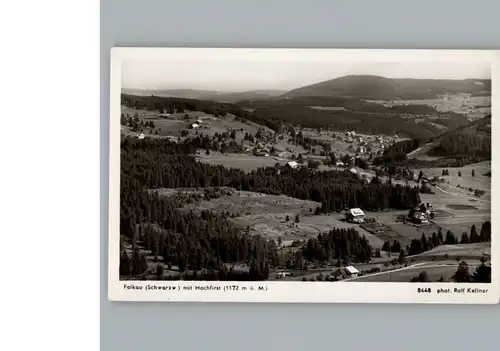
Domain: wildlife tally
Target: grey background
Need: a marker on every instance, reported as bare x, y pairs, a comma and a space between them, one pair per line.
286, 23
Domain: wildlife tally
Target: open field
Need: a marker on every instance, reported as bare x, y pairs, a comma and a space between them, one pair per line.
465, 180
266, 215
464, 208
251, 203
274, 226
474, 107
402, 232
462, 251
173, 124
244, 162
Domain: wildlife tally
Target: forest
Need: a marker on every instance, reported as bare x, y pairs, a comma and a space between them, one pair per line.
403, 146
473, 140
464, 145
362, 122
208, 240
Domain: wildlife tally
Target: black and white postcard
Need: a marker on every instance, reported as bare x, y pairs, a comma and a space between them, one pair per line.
303, 175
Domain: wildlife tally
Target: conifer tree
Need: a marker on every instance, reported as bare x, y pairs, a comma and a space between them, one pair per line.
402, 257
124, 264
462, 274
482, 274
464, 239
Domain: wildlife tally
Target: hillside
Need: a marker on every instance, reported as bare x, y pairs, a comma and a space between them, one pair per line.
413, 121
472, 140
229, 97
179, 105
379, 88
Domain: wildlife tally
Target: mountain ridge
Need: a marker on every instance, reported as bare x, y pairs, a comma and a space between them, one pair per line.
201, 94
382, 88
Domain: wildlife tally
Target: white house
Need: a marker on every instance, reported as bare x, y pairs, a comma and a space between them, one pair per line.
283, 274
293, 164
339, 164
195, 126
355, 215
353, 171
351, 271
141, 136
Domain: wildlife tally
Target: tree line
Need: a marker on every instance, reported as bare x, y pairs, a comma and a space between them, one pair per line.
344, 245
418, 246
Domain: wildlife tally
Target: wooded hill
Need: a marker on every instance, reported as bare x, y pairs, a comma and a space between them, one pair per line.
470, 140
458, 147
379, 88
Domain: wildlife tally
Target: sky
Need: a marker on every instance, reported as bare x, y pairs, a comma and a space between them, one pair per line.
243, 75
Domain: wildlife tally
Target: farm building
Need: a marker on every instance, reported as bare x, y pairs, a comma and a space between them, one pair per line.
426, 208
292, 164
361, 149
353, 171
351, 271
355, 215
199, 121
171, 138
420, 217
283, 274
195, 126
261, 151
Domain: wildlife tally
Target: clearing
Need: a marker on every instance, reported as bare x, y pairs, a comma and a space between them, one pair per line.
460, 251
266, 215
244, 162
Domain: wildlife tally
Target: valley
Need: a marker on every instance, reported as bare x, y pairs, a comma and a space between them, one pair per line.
278, 176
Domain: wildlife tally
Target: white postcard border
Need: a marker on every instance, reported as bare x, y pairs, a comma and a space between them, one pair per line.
289, 292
